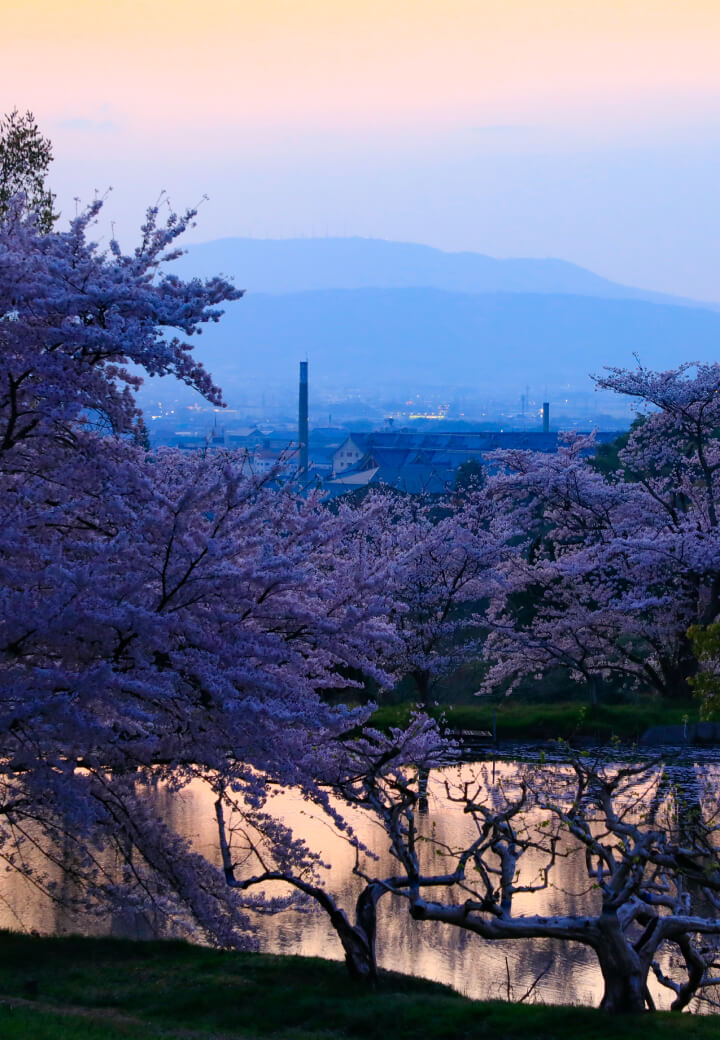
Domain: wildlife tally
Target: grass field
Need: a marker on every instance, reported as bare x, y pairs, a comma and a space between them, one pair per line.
516, 720
105, 989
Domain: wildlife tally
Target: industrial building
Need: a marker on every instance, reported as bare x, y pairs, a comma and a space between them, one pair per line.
426, 462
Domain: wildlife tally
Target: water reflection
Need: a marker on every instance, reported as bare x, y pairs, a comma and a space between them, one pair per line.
542, 970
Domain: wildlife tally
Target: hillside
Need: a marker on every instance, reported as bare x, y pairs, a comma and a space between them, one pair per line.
381, 338
305, 264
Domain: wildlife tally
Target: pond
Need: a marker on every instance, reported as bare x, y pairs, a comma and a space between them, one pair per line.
539, 970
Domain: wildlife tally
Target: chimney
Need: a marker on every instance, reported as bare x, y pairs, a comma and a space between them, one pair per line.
303, 420
546, 416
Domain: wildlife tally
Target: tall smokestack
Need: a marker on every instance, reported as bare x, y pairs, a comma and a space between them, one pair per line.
303, 419
546, 416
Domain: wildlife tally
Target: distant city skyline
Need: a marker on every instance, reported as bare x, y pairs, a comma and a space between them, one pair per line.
585, 131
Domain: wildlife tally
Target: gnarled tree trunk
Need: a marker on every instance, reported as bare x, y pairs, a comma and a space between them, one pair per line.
624, 974
358, 940
358, 949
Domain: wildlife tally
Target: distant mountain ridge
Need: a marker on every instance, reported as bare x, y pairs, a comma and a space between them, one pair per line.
310, 264
386, 317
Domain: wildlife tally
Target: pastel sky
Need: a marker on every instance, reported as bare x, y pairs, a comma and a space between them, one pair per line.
588, 130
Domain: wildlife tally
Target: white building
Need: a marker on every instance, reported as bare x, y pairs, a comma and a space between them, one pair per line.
346, 455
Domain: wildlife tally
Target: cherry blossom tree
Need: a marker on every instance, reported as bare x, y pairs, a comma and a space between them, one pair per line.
441, 557
165, 618
675, 456
74, 318
182, 622
358, 772
606, 573
653, 886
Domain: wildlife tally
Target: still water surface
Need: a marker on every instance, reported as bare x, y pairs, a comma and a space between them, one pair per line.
567, 973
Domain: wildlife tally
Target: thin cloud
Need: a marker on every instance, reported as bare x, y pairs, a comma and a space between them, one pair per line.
503, 128
105, 121
96, 126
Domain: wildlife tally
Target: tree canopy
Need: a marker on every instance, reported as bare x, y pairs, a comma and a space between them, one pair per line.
603, 574
25, 157
169, 619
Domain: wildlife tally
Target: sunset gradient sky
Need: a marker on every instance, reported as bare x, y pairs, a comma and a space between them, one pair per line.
588, 130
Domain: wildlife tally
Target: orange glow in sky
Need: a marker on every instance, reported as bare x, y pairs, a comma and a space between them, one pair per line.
584, 129
339, 63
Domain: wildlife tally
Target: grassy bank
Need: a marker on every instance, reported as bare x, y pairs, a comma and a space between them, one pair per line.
516, 720
101, 989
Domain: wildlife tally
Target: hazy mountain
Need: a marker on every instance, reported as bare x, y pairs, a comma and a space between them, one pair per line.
424, 337
389, 317
301, 264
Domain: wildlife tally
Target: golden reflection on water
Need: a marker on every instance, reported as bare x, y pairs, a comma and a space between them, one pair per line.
501, 970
